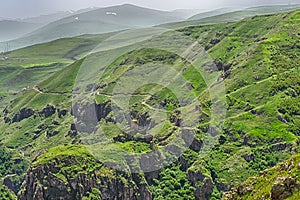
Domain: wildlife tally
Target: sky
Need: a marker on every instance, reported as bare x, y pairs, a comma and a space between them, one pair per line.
29, 8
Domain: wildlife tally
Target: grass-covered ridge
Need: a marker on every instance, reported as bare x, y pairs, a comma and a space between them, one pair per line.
71, 160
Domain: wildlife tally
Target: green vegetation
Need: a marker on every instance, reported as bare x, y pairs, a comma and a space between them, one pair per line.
172, 184
258, 58
5, 194
72, 160
10, 164
264, 186
94, 195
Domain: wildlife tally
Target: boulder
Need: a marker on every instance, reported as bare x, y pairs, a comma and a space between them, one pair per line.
48, 111
283, 188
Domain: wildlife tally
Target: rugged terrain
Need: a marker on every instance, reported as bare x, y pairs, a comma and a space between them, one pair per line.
279, 182
46, 139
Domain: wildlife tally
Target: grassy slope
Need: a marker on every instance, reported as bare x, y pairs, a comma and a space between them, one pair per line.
256, 50
255, 101
261, 186
28, 66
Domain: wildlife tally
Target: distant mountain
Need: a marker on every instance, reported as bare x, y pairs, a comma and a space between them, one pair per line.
247, 12
10, 29
232, 16
102, 20
124, 15
46, 19
211, 13
186, 13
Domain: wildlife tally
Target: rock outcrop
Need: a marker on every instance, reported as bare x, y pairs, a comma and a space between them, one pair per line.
284, 187
23, 114
277, 183
204, 190
26, 113
40, 183
48, 111
75, 176
89, 114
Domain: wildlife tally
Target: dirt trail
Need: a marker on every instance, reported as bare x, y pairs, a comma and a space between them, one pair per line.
36, 88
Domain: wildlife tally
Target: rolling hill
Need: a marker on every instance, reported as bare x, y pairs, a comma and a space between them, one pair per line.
27, 66
48, 140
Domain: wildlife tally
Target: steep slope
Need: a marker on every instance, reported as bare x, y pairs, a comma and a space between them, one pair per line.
75, 168
279, 182
102, 20
255, 54
25, 68
258, 59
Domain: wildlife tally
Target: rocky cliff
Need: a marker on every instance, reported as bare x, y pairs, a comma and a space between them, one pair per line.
278, 183
73, 176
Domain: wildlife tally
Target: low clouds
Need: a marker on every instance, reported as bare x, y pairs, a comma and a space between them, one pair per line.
25, 8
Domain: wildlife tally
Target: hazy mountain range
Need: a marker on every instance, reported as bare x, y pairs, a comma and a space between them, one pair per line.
16, 34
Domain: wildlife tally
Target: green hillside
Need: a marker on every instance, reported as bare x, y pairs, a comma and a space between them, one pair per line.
42, 127
26, 67
279, 182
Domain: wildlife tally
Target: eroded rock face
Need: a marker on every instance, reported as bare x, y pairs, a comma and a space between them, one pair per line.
23, 114
10, 184
89, 114
41, 183
203, 191
283, 188
51, 133
48, 111
190, 140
